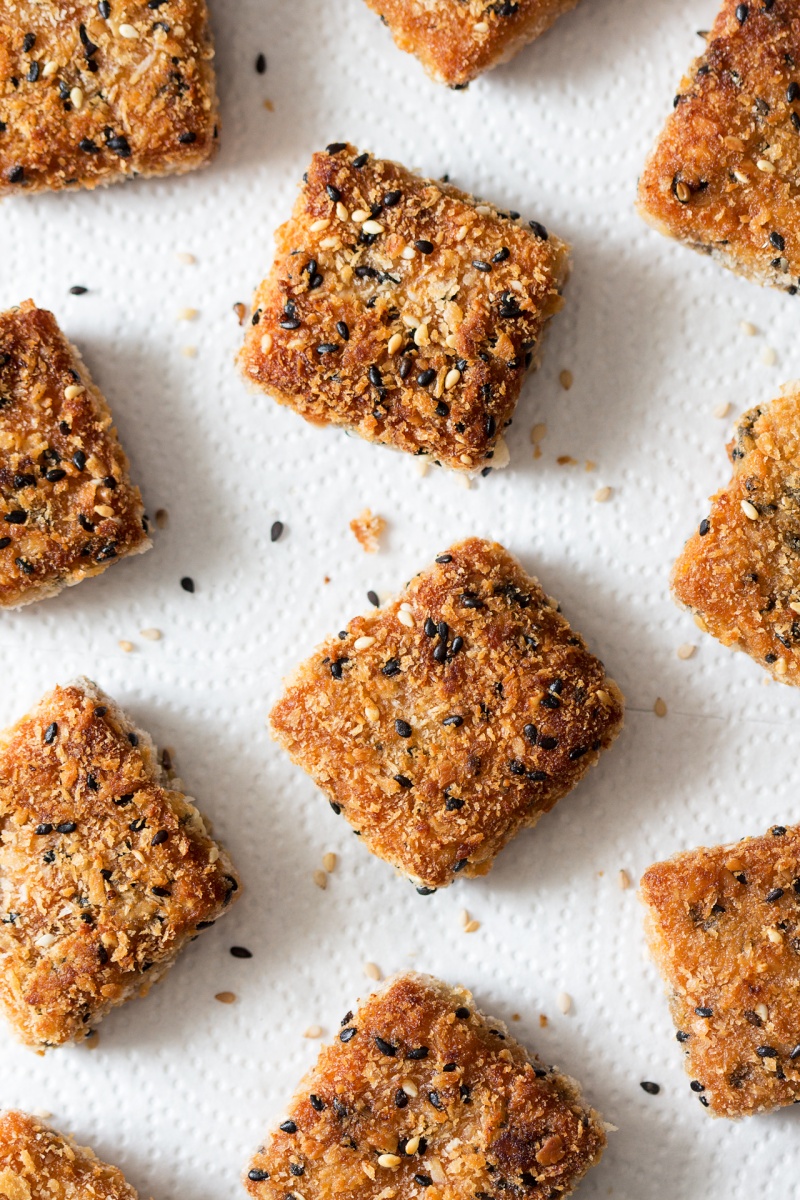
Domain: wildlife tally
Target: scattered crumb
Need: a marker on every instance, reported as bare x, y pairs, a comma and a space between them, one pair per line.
566, 460
226, 997
368, 529
660, 708
566, 380
320, 879
624, 879
422, 466
602, 494
188, 314
241, 311
769, 356
314, 1031
516, 1017
722, 410
152, 635
748, 328
372, 971
126, 646
543, 1021
269, 106
538, 434
189, 351
162, 518
565, 1002
329, 861
591, 465
686, 650
188, 260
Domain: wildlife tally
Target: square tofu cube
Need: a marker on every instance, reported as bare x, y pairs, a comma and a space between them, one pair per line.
422, 1094
456, 40
446, 721
106, 867
93, 93
724, 932
68, 509
722, 176
739, 573
36, 1163
402, 309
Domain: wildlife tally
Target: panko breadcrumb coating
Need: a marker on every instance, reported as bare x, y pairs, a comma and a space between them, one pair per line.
420, 1096
68, 509
446, 721
456, 40
724, 930
36, 1163
402, 309
106, 867
722, 177
94, 93
740, 571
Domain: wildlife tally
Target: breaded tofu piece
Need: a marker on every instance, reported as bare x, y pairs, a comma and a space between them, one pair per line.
740, 571
93, 93
68, 509
422, 1094
456, 40
36, 1163
724, 930
446, 721
402, 309
106, 868
722, 176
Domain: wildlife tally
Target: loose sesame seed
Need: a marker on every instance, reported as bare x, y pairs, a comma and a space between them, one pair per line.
276, 530
565, 1002
187, 583
660, 708
623, 879
261, 64
424, 246
652, 1089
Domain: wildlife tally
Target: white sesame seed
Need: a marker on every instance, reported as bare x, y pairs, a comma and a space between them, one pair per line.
188, 314
50, 68
762, 1011
538, 433
76, 98
769, 356
775, 936
390, 1161
660, 707
565, 1002
313, 1031
421, 335
602, 494
686, 650
566, 380
766, 166
126, 646
128, 31
410, 1089
406, 607
266, 343
363, 643
394, 343
480, 27
624, 879
188, 260
740, 175
451, 379
73, 390
409, 253
359, 215
406, 619
372, 971
472, 927
329, 861
342, 212
373, 227
371, 712
318, 226
320, 879
749, 510
152, 635
189, 351
722, 410
748, 328
794, 605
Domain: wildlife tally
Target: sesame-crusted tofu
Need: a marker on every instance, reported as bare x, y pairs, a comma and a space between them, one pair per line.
724, 930
456, 40
739, 573
421, 1095
68, 509
446, 721
36, 1163
106, 867
96, 93
402, 309
722, 177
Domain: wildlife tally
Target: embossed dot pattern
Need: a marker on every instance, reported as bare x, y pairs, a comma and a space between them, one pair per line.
181, 1088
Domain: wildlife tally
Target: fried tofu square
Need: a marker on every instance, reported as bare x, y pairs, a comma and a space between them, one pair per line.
722, 176
402, 309
36, 1163
96, 93
422, 1094
68, 509
739, 573
724, 931
106, 868
446, 721
457, 40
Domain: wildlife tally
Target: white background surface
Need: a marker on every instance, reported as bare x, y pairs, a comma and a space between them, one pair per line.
181, 1088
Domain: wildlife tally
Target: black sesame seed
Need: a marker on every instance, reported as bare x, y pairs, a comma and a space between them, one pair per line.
55, 475
51, 733
120, 145
24, 566
423, 1180
792, 92
442, 409
421, 1051
17, 516
123, 801
316, 1103
258, 1176
457, 643
290, 323
188, 138
774, 895
360, 161
385, 1047
276, 530
43, 830
288, 1127
703, 1011
652, 1089
402, 728
79, 460
4, 541
502, 255
241, 952
429, 628
343, 331
88, 146
550, 701
453, 720
400, 1099
336, 147
133, 739
766, 1052
426, 377
261, 64
539, 230
680, 1036
462, 1013
577, 752
453, 804
696, 1086
327, 348
161, 891
66, 827
424, 246
777, 240
159, 838
459, 865
16, 175
778, 830
187, 583
480, 265
296, 1169
403, 780
444, 558
375, 377
742, 11
390, 668
28, 42
347, 1034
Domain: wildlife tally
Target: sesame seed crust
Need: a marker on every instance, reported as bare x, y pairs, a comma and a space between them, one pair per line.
95, 901
427, 1097
740, 570
94, 100
36, 1163
402, 309
721, 177
446, 721
68, 509
724, 932
456, 40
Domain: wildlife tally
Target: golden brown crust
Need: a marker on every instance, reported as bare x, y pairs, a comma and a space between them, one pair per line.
423, 1095
724, 932
36, 1163
722, 176
439, 751
456, 40
88, 100
358, 308
106, 870
740, 571
68, 509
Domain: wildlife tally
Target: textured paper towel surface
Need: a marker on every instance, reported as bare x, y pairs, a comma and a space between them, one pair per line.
181, 1088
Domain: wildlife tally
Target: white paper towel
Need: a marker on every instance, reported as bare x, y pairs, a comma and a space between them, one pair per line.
181, 1088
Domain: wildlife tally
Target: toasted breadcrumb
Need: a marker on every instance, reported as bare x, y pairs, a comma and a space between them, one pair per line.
724, 932
368, 528
88, 99
446, 721
740, 571
68, 509
722, 177
106, 869
36, 1163
420, 1091
402, 309
456, 40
